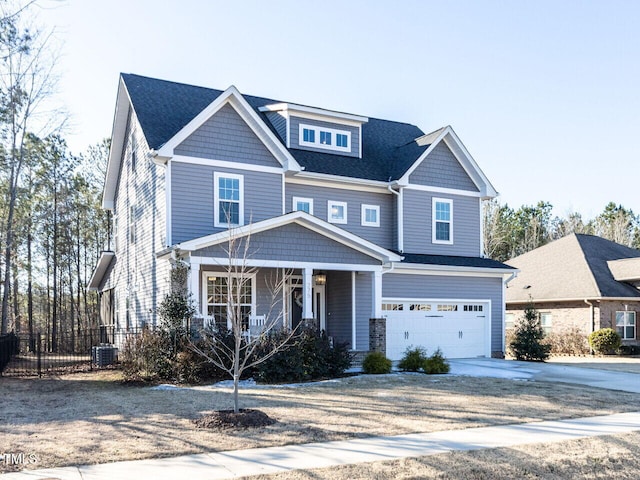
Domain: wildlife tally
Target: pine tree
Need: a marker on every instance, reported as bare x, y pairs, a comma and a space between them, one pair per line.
528, 338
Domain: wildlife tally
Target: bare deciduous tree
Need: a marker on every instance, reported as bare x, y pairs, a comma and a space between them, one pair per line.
245, 351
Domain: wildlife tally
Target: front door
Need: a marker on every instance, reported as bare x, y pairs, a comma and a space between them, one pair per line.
295, 304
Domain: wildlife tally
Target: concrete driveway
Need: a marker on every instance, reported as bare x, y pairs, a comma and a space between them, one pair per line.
547, 372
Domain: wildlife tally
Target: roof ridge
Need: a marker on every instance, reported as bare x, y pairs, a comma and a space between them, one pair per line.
586, 260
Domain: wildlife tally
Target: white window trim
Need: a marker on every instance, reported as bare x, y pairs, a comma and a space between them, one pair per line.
211, 273
295, 200
317, 144
216, 199
332, 203
624, 326
363, 215
433, 221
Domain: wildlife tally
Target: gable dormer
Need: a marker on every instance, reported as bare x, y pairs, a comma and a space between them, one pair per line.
317, 130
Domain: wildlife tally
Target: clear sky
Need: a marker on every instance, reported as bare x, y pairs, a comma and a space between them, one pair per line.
544, 94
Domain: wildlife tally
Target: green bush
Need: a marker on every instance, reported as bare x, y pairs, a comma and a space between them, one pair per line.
436, 363
144, 357
605, 341
528, 339
307, 356
376, 363
413, 359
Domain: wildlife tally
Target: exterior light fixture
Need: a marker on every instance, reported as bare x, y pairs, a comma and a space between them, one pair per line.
320, 279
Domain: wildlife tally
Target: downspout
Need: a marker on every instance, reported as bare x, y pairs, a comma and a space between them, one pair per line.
400, 215
593, 320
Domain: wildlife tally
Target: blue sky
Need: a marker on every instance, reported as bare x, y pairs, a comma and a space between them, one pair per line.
544, 94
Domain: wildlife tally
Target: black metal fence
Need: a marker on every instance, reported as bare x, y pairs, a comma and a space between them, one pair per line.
40, 354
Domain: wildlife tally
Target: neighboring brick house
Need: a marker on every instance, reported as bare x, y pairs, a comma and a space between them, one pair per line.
579, 281
379, 223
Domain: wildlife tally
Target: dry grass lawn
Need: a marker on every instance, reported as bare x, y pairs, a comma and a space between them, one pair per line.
92, 418
613, 363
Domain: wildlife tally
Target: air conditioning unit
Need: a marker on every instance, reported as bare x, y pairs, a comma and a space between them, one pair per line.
103, 355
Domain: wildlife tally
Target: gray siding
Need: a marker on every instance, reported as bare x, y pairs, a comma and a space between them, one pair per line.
294, 132
192, 198
279, 123
225, 136
364, 299
338, 292
138, 278
442, 169
384, 235
396, 285
418, 224
294, 243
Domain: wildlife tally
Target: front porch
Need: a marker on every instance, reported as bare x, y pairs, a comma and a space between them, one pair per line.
340, 302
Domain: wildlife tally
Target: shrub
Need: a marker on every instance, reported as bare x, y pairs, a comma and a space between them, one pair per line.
413, 359
568, 342
436, 363
307, 356
144, 357
528, 343
605, 341
376, 363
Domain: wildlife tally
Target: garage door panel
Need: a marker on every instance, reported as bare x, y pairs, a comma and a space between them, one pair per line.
456, 331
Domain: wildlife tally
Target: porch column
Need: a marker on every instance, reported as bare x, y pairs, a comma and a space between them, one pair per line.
376, 295
307, 294
194, 284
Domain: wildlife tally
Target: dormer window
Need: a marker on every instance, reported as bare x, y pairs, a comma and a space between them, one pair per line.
325, 138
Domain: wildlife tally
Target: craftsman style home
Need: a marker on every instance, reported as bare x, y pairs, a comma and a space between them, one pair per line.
378, 222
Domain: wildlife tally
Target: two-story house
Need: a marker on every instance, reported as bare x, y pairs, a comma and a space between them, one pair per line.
379, 223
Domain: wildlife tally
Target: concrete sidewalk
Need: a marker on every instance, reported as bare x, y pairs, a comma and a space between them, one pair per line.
320, 455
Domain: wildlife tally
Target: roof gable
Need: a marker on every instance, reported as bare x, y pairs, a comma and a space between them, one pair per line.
303, 219
571, 268
440, 168
432, 142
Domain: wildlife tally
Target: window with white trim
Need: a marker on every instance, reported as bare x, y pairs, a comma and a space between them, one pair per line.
336, 212
509, 320
229, 200
324, 137
626, 325
442, 223
228, 295
302, 204
370, 216
546, 321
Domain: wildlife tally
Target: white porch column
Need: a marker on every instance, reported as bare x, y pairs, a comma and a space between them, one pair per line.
353, 311
376, 296
194, 284
307, 293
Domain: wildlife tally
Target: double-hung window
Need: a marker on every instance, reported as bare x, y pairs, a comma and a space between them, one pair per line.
442, 222
546, 322
303, 204
337, 212
229, 297
626, 325
370, 216
228, 200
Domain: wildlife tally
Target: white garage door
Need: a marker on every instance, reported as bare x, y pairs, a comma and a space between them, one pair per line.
459, 329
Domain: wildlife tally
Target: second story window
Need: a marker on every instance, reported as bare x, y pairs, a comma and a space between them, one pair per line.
370, 215
303, 204
229, 200
442, 225
337, 212
342, 140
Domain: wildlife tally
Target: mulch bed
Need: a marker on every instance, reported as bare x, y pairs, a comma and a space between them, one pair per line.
228, 420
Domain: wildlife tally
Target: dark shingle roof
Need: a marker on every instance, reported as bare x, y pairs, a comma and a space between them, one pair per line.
570, 268
453, 261
164, 107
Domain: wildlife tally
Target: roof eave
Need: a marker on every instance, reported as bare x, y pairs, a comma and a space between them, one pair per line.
118, 132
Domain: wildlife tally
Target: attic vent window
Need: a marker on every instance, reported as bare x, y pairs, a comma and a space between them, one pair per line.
324, 138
